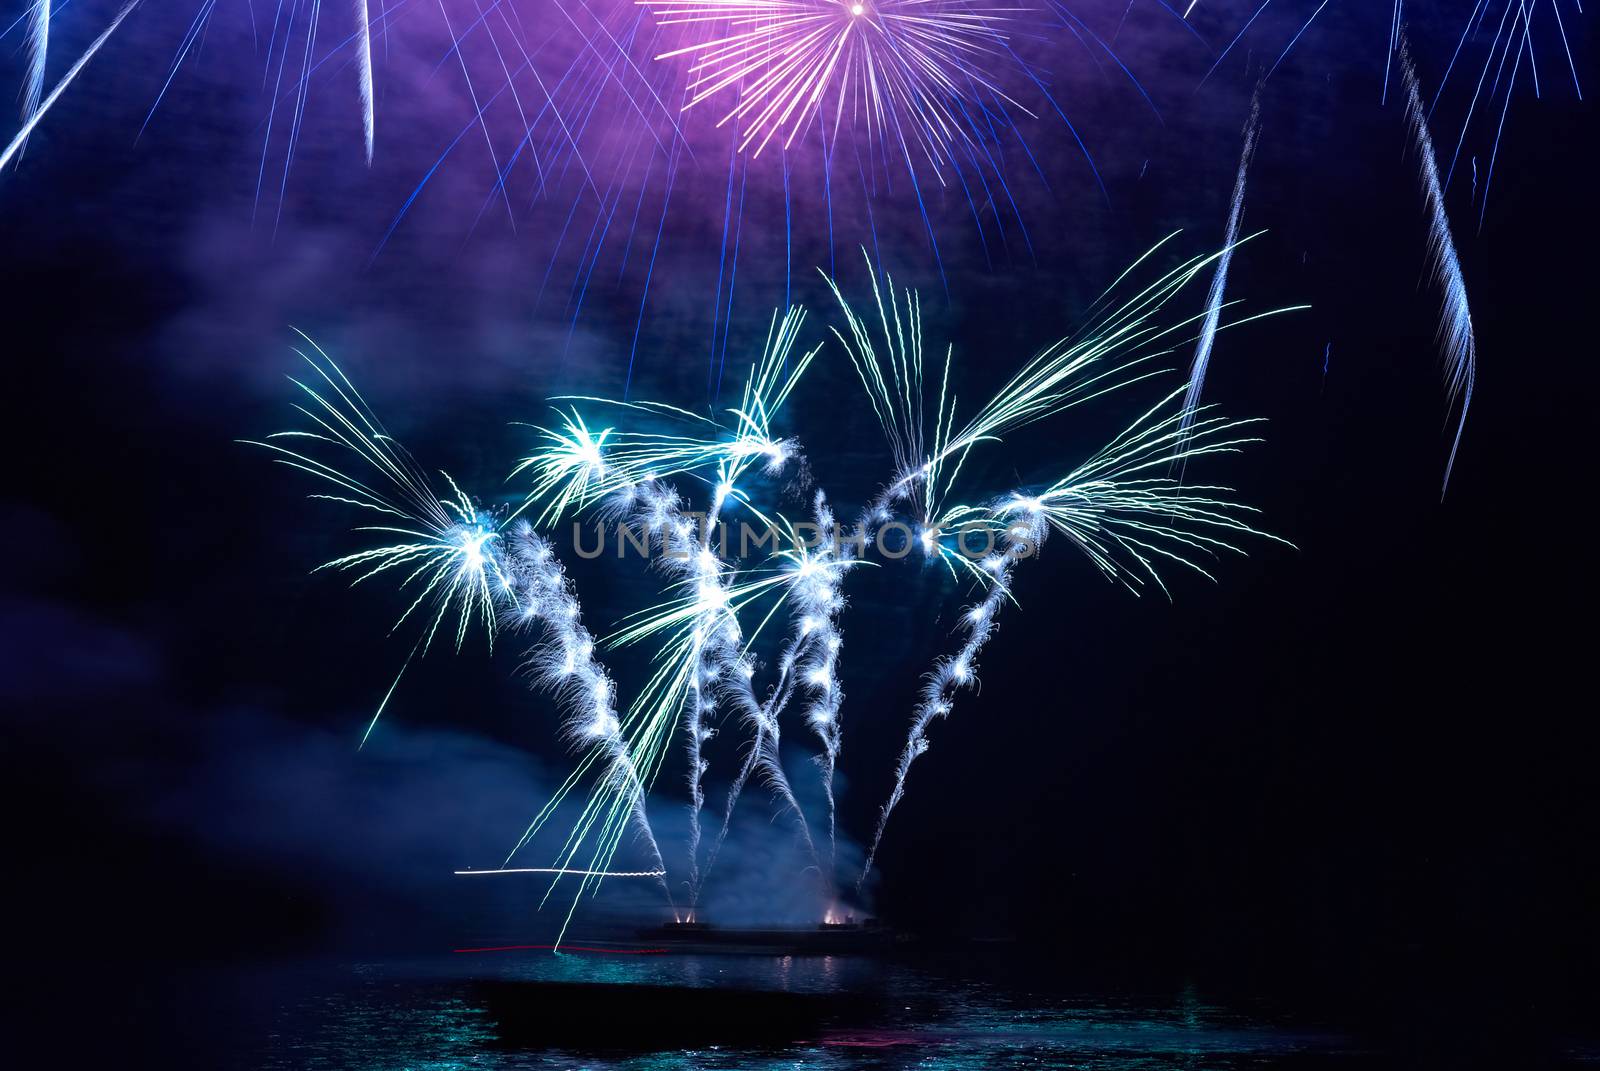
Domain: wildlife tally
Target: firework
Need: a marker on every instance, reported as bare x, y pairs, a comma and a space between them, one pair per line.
907, 69
1126, 515
440, 546
564, 663
576, 466
1122, 507
605, 124
38, 34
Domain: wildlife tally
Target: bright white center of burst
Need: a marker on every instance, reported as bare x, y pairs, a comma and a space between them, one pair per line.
711, 597
472, 541
857, 9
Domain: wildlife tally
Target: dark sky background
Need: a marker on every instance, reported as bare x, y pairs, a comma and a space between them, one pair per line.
1357, 772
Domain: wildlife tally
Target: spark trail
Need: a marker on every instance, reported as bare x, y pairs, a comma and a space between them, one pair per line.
1219, 278
904, 65
363, 48
36, 114
1511, 38
38, 52
1456, 338
564, 664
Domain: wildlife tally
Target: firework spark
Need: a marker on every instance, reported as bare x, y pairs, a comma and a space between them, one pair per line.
35, 111
440, 546
1127, 516
363, 48
1121, 507
565, 665
905, 68
1118, 509
1219, 278
1456, 338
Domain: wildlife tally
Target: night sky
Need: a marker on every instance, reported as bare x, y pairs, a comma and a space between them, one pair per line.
1355, 774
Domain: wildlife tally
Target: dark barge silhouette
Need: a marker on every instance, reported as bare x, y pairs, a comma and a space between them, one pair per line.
823, 939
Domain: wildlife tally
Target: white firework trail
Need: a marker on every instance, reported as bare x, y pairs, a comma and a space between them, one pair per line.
38, 51
948, 674
810, 574
563, 663
363, 47
763, 755
38, 113
578, 466
706, 652
814, 592
713, 632
1456, 338
1219, 277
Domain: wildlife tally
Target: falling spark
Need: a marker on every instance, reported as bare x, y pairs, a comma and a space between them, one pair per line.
38, 51
45, 105
1456, 338
364, 72
1219, 277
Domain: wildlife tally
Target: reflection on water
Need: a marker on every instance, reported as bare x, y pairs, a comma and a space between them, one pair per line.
606, 1011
